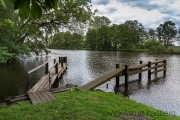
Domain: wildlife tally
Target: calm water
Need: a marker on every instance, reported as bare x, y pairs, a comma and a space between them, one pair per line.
84, 66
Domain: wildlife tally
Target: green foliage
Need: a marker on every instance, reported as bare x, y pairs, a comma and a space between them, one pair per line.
127, 36
66, 40
89, 105
35, 9
166, 32
154, 46
2, 4
5, 55
173, 50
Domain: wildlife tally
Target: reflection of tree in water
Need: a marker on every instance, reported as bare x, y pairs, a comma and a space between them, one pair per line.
101, 62
14, 78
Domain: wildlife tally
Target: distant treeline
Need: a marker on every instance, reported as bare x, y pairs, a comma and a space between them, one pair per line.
129, 36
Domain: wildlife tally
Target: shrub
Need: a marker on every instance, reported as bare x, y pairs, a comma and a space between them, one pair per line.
154, 46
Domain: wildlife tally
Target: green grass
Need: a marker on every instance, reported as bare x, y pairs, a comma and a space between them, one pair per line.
90, 105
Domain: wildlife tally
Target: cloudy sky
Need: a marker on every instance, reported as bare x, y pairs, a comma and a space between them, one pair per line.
150, 13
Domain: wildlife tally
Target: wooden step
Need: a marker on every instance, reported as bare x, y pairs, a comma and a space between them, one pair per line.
40, 96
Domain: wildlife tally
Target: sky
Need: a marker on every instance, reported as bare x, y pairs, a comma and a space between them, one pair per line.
151, 13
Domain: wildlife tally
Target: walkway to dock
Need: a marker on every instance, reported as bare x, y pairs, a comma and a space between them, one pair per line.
40, 92
127, 71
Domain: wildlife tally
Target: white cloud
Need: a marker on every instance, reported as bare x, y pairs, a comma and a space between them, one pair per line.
118, 12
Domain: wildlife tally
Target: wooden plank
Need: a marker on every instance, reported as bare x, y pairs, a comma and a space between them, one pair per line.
36, 96
41, 96
101, 80
32, 98
144, 64
138, 66
50, 95
48, 98
143, 70
40, 66
156, 71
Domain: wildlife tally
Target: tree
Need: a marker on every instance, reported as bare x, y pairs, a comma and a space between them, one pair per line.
137, 30
166, 32
90, 41
151, 34
31, 35
35, 8
99, 21
102, 41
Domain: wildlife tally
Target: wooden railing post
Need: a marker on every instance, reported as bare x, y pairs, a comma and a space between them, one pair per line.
65, 60
47, 68
54, 61
149, 72
62, 62
59, 59
126, 75
156, 68
140, 74
117, 78
56, 68
164, 67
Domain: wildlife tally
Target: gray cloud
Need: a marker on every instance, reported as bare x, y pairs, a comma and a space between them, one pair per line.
101, 2
144, 4
111, 10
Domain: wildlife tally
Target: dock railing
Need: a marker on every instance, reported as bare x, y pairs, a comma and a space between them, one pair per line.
62, 61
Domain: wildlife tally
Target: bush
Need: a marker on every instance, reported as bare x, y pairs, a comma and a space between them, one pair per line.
154, 46
5, 56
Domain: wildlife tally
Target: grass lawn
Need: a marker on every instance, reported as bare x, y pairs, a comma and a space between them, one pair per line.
89, 105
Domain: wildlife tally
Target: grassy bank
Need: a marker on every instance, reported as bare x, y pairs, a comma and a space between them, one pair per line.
77, 105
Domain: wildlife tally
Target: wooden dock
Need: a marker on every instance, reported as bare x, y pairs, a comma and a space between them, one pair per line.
40, 92
128, 71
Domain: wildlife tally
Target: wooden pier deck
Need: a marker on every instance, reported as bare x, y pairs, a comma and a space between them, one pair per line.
40, 92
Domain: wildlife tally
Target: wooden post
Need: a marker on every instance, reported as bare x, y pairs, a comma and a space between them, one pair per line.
47, 68
149, 72
54, 60
126, 75
156, 68
140, 74
117, 78
59, 59
62, 62
65, 60
164, 67
56, 68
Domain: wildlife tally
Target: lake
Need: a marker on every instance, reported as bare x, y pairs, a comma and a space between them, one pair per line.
84, 66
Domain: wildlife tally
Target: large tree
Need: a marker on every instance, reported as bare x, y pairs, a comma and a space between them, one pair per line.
151, 34
33, 33
99, 21
166, 32
137, 30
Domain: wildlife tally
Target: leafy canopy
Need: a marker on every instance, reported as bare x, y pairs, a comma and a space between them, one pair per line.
33, 7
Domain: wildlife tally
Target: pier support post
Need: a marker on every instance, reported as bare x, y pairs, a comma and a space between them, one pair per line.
126, 75
117, 79
56, 68
65, 60
164, 67
140, 74
54, 61
156, 69
149, 72
47, 68
61, 61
